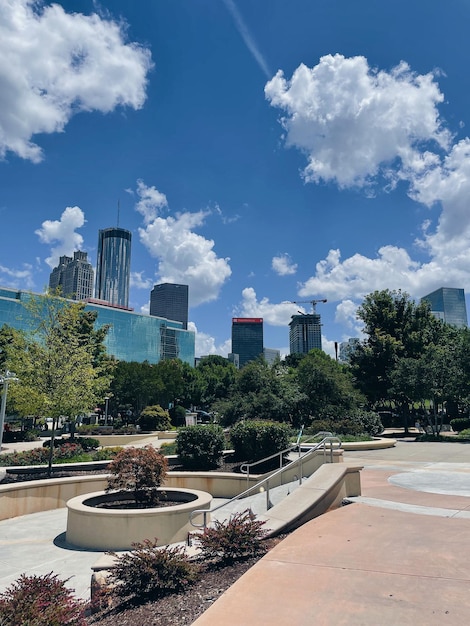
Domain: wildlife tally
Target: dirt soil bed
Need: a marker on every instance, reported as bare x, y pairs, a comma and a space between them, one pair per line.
180, 608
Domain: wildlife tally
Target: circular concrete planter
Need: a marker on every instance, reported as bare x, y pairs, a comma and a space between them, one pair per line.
115, 529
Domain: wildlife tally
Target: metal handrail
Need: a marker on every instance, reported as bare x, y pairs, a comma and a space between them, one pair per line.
263, 485
246, 467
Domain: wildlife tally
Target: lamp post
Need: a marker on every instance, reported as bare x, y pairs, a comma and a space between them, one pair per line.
4, 380
106, 400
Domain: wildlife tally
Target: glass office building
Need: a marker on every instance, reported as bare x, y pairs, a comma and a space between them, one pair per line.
131, 336
305, 333
113, 266
448, 304
170, 300
247, 338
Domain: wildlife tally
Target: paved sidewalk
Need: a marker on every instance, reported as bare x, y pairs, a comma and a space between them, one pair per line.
397, 555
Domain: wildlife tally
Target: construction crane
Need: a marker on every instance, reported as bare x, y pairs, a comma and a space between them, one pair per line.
312, 302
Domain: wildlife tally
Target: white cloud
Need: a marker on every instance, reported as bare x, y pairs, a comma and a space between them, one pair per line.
358, 126
138, 281
205, 344
184, 256
353, 122
55, 64
151, 201
273, 314
17, 279
62, 232
346, 314
283, 265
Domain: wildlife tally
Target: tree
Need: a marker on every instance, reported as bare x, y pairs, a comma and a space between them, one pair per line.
327, 386
61, 367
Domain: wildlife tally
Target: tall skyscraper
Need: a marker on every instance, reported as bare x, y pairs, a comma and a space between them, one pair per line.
448, 304
74, 276
170, 300
113, 266
305, 333
247, 338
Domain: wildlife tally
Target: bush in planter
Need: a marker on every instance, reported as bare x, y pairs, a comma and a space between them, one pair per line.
154, 418
200, 447
40, 601
253, 440
140, 471
235, 539
149, 571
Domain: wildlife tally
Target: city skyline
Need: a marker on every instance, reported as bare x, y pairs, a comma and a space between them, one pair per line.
262, 153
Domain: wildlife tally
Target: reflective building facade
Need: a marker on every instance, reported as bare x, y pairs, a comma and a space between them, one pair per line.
304, 333
170, 300
131, 336
113, 266
247, 338
448, 304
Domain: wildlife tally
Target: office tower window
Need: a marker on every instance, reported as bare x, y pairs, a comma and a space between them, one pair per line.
247, 338
170, 301
113, 266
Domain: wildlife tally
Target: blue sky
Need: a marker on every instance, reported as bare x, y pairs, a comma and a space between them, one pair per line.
261, 151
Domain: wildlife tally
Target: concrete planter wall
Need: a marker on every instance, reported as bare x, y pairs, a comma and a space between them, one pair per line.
112, 529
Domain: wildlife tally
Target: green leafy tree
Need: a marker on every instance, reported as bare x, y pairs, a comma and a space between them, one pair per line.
327, 386
61, 368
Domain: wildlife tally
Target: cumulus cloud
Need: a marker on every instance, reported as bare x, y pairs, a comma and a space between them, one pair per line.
283, 265
55, 64
358, 127
151, 201
183, 255
274, 314
352, 122
138, 281
205, 344
62, 233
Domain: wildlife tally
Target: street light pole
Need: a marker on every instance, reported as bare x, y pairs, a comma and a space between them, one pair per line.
106, 411
4, 380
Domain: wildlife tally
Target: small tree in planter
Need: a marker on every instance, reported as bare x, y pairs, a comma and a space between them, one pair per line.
140, 471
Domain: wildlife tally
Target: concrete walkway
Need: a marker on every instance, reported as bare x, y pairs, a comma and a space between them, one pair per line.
397, 555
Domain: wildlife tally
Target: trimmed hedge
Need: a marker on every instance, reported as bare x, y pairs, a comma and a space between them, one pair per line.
200, 447
460, 423
255, 440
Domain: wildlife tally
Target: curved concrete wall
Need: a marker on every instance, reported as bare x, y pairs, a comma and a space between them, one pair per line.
111, 529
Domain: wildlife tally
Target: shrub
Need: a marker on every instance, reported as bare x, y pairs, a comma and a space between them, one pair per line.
154, 418
88, 443
149, 571
40, 601
460, 423
200, 447
168, 448
178, 415
464, 434
253, 440
235, 539
107, 454
139, 470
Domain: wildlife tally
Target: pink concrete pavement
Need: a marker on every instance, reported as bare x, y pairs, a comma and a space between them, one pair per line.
363, 564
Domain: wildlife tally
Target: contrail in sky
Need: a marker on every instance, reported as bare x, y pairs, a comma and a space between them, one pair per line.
247, 37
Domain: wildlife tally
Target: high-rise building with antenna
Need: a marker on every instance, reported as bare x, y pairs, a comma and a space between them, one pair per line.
113, 266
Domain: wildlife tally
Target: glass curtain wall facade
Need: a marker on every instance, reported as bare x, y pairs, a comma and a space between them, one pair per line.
247, 338
113, 266
305, 333
170, 300
448, 304
131, 336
